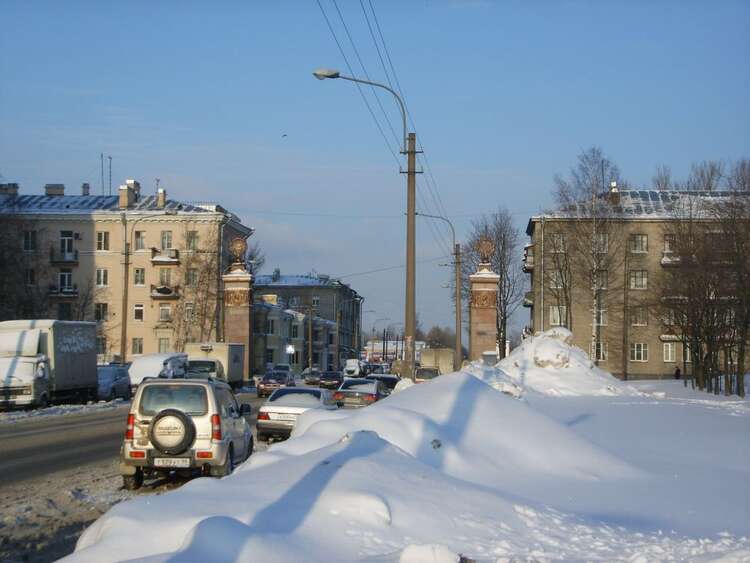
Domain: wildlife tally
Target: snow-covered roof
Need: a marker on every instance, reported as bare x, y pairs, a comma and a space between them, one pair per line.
88, 204
295, 280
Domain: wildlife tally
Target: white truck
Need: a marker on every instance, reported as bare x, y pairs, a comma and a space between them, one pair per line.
45, 361
440, 358
221, 360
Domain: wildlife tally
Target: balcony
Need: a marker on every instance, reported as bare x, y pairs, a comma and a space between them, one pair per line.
528, 259
56, 257
65, 292
165, 292
669, 258
528, 299
170, 256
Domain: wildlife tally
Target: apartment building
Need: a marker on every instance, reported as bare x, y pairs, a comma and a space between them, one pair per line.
146, 268
330, 299
615, 313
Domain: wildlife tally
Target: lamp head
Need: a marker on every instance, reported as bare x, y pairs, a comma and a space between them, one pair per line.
323, 73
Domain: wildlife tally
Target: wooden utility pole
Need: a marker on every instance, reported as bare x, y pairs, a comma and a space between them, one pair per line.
410, 320
310, 338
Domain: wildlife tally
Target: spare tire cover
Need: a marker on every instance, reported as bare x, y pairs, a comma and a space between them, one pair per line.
172, 432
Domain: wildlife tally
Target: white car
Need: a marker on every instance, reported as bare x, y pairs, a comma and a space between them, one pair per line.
114, 382
277, 417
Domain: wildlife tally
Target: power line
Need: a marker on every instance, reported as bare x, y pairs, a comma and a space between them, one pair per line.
388, 268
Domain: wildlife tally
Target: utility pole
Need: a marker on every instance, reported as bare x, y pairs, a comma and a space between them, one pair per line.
110, 175
101, 161
410, 320
458, 355
310, 338
124, 311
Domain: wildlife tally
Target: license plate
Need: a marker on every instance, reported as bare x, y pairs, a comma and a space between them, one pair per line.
172, 462
286, 417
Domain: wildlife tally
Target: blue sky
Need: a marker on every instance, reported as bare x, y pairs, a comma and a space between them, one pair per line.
504, 95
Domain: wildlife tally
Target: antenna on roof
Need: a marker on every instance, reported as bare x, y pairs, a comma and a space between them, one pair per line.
101, 158
110, 174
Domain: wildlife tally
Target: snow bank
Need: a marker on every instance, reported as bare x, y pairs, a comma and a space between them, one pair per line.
452, 467
60, 410
548, 363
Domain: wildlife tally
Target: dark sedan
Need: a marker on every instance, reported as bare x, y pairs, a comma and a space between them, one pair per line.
274, 380
331, 380
359, 392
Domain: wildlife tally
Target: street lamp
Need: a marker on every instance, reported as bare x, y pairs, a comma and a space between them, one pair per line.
457, 262
410, 150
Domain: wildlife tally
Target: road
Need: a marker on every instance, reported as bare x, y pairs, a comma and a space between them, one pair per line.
47, 445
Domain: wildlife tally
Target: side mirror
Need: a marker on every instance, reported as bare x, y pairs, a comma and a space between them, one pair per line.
246, 410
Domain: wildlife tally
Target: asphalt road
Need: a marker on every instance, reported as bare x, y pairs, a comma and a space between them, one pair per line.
46, 445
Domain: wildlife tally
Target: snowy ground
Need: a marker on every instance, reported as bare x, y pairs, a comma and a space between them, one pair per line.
8, 417
565, 463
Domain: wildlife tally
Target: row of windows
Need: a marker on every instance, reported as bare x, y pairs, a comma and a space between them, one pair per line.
600, 279
101, 312
136, 345
637, 243
102, 240
639, 315
639, 352
65, 277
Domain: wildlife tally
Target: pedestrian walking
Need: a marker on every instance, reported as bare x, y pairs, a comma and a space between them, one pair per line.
677, 372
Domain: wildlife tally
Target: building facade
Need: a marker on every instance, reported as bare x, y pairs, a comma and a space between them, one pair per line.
323, 297
147, 269
615, 310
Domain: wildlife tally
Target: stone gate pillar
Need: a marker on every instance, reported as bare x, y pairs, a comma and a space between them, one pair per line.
238, 303
483, 320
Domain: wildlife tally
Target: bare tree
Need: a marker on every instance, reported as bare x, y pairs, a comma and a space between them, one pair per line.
705, 175
498, 226
662, 179
24, 284
255, 258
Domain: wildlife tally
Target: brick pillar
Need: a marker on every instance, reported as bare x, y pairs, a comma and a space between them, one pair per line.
483, 319
238, 304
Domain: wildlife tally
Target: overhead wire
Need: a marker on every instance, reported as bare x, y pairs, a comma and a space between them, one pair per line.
388, 268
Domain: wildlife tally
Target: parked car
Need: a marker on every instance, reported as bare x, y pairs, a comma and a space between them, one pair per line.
184, 425
114, 382
359, 392
274, 380
311, 377
277, 417
331, 380
425, 374
388, 380
168, 365
353, 368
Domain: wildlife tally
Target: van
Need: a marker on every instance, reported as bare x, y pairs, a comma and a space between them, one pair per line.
353, 368
173, 365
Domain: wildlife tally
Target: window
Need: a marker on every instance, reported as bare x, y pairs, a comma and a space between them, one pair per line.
330, 338
65, 279
140, 240
599, 351
330, 361
556, 279
601, 243
296, 357
639, 316
669, 351
315, 301
100, 311
269, 356
101, 345
639, 243
191, 277
165, 312
639, 279
139, 276
687, 355
163, 345
295, 331
191, 240
29, 241
102, 277
137, 346
669, 244
270, 326
558, 243
638, 352
138, 312
66, 243
102, 240
165, 276
189, 312
601, 316
294, 301
558, 315
166, 240
30, 277
599, 279
64, 311
670, 317
316, 358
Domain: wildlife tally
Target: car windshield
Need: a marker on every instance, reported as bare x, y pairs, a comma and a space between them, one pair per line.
281, 368
359, 385
426, 373
388, 380
331, 375
201, 366
296, 398
190, 399
274, 377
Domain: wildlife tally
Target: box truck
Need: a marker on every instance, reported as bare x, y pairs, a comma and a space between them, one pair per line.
221, 360
45, 361
440, 358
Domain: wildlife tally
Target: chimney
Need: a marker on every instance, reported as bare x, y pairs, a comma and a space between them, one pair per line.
9, 189
161, 198
127, 196
54, 189
85, 189
614, 193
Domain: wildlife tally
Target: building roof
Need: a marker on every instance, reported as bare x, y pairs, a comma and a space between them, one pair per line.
646, 204
89, 204
297, 280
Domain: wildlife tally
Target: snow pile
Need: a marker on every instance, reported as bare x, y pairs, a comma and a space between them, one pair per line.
549, 363
453, 468
60, 410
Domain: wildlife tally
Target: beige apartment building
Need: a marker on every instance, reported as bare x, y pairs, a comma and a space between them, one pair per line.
146, 268
615, 314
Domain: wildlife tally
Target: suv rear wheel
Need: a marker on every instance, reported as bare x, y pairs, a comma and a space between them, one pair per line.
227, 467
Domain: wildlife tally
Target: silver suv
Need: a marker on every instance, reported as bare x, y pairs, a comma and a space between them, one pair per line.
184, 425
